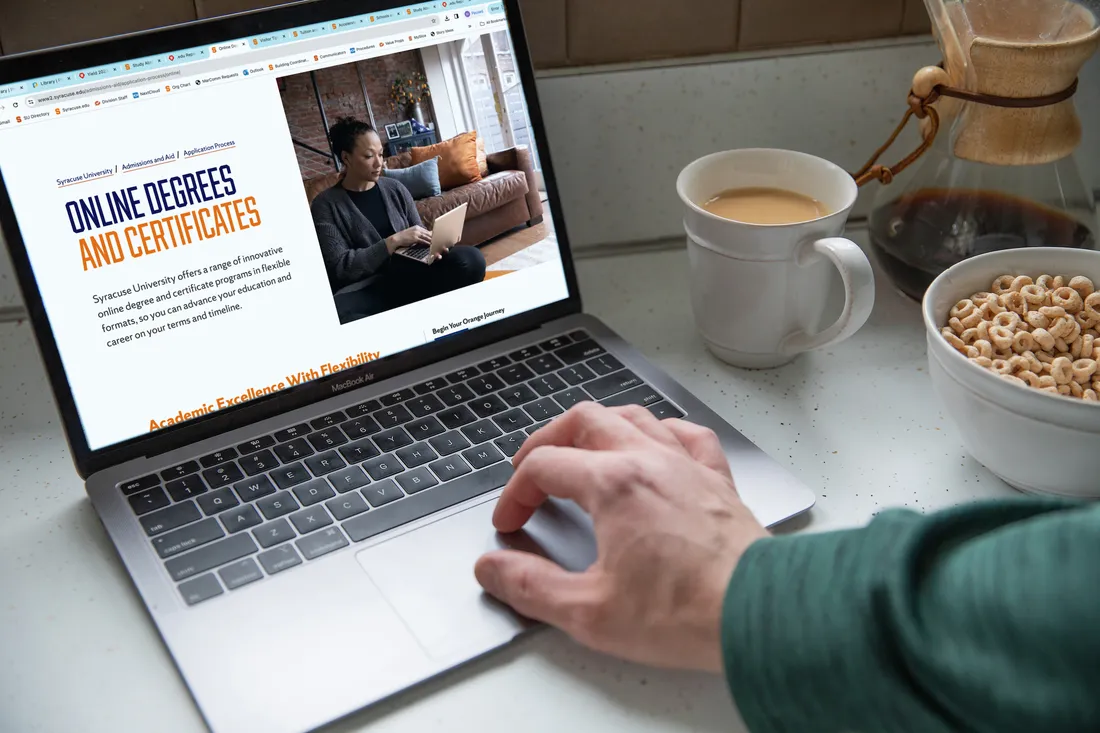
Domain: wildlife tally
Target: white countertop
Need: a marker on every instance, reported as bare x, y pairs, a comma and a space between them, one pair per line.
858, 423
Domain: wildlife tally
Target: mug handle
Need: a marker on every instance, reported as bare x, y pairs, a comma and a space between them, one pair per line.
859, 293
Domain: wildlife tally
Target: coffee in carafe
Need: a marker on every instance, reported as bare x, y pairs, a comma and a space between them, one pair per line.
996, 170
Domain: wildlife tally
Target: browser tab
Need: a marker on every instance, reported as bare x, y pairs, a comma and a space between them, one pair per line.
188, 55
230, 48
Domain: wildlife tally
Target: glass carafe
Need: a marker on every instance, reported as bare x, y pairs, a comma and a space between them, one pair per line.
996, 177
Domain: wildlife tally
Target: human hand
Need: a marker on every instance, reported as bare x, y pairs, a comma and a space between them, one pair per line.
670, 529
410, 237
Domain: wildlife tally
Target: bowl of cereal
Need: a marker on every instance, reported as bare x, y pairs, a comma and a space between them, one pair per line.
1014, 355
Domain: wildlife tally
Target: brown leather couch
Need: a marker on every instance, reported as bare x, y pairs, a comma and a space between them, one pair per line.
504, 199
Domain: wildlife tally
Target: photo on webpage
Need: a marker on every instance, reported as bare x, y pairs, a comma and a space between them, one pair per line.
387, 146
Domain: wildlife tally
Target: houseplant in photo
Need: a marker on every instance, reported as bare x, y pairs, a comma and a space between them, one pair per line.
407, 93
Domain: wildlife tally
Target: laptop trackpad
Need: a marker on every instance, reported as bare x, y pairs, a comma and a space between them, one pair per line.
427, 575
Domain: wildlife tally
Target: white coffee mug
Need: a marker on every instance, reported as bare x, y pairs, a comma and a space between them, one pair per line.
759, 291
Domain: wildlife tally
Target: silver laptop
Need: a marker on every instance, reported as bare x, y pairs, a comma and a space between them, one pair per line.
446, 232
300, 503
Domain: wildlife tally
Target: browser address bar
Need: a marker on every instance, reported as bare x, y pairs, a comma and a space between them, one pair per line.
123, 83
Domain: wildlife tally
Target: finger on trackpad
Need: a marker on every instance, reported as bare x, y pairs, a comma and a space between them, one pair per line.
428, 575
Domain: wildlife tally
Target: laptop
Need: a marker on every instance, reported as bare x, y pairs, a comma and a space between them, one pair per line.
300, 503
446, 232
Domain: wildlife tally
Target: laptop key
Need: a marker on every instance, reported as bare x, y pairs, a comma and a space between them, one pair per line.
360, 427
210, 556
322, 543
258, 462
546, 408
555, 343
493, 364
149, 501
510, 444
449, 443
488, 405
382, 493
240, 573
345, 507
450, 468
218, 501
314, 492
219, 476
571, 397
254, 488
349, 479
545, 364
426, 405
241, 518
525, 354
515, 374
274, 533
359, 451
665, 411
612, 384
579, 351
222, 456
428, 502
579, 335
518, 395
536, 427
188, 538
514, 419
643, 396
416, 455
392, 416
429, 427
455, 395
327, 438
397, 397
486, 384
185, 488
173, 517
483, 455
417, 480
325, 463
577, 374
297, 431
463, 375
383, 467
328, 421
431, 385
391, 440
364, 409
179, 471
279, 559
456, 417
200, 589
481, 431
547, 385
277, 506
145, 482
290, 475
605, 365
310, 520
295, 450
256, 444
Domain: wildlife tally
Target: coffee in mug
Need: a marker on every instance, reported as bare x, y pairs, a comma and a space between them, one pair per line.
765, 206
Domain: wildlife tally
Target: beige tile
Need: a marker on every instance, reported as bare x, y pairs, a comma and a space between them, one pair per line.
916, 19
771, 23
213, 8
28, 25
608, 31
544, 21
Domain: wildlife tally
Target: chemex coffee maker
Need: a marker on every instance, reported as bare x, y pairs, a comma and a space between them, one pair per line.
995, 169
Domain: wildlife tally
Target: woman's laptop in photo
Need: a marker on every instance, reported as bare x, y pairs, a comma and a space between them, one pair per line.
300, 502
446, 233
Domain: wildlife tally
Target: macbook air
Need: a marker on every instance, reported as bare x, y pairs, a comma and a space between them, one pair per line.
299, 501
446, 232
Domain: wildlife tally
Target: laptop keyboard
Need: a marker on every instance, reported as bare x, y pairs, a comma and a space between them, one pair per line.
256, 509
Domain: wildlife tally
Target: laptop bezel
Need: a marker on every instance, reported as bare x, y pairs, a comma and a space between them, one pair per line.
203, 32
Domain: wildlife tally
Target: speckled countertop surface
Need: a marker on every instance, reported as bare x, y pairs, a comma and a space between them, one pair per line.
859, 424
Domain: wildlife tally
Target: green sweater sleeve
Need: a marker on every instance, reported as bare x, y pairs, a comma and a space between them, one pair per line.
982, 618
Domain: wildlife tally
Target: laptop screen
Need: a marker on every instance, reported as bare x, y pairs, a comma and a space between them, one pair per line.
213, 225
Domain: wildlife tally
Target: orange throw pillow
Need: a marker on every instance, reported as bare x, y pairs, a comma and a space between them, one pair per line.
457, 160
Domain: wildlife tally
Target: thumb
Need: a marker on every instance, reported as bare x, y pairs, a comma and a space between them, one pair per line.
533, 586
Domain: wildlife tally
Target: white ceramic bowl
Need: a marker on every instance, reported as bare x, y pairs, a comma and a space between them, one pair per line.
1035, 441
